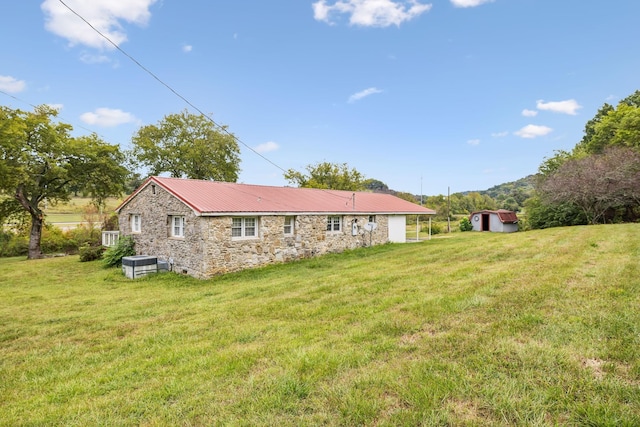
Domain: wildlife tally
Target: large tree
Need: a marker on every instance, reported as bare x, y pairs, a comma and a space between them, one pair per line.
188, 146
329, 176
40, 160
596, 183
570, 184
612, 126
620, 127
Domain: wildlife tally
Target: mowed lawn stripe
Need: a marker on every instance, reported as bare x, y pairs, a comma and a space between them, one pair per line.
535, 328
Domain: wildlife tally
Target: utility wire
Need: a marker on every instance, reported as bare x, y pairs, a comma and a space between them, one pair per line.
175, 92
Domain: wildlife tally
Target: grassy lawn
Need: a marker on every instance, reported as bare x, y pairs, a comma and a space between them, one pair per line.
535, 328
73, 211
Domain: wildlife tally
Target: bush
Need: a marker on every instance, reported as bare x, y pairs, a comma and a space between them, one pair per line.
436, 228
85, 236
112, 257
54, 240
90, 253
13, 244
465, 224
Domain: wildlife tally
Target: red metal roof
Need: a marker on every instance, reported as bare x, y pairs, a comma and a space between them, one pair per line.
218, 198
505, 216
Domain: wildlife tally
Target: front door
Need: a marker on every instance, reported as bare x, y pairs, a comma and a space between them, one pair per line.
485, 222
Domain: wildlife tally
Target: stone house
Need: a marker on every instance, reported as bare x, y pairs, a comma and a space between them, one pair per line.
204, 228
500, 221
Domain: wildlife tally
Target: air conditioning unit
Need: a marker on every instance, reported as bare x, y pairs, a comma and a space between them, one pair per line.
137, 266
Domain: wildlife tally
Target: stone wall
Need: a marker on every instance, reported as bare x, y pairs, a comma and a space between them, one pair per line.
310, 238
208, 249
155, 232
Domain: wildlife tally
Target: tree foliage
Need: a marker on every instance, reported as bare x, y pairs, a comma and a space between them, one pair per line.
39, 161
596, 183
590, 127
112, 257
465, 224
612, 126
512, 195
329, 176
188, 146
376, 186
541, 214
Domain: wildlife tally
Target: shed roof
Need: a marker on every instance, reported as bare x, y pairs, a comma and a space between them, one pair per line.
505, 216
221, 198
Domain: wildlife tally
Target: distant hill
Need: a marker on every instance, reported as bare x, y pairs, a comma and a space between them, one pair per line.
523, 185
510, 195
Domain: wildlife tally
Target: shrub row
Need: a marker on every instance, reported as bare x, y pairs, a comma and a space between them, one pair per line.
54, 240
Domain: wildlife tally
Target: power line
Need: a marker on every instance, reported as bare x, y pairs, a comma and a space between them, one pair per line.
175, 92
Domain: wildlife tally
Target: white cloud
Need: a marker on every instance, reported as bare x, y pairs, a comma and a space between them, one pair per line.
11, 84
266, 147
500, 134
89, 58
469, 3
363, 94
370, 13
187, 48
529, 113
533, 131
473, 142
104, 15
108, 117
570, 106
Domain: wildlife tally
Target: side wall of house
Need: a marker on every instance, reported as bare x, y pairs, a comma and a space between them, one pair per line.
155, 207
207, 247
309, 238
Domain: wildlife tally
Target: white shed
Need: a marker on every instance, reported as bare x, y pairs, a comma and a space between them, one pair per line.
500, 221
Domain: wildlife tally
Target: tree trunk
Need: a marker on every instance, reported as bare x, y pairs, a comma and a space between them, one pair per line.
37, 219
35, 251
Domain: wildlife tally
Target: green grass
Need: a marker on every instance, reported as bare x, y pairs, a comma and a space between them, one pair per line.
75, 211
63, 218
76, 206
536, 328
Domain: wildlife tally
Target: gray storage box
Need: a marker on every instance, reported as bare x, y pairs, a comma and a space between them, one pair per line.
139, 265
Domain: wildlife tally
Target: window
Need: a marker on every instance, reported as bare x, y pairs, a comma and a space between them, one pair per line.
288, 224
135, 223
177, 226
372, 218
333, 223
244, 227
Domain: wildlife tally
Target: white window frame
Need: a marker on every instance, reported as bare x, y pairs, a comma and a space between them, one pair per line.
289, 225
372, 218
244, 227
177, 226
136, 223
334, 224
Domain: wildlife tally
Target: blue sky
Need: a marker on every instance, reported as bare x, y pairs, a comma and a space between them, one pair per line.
425, 95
